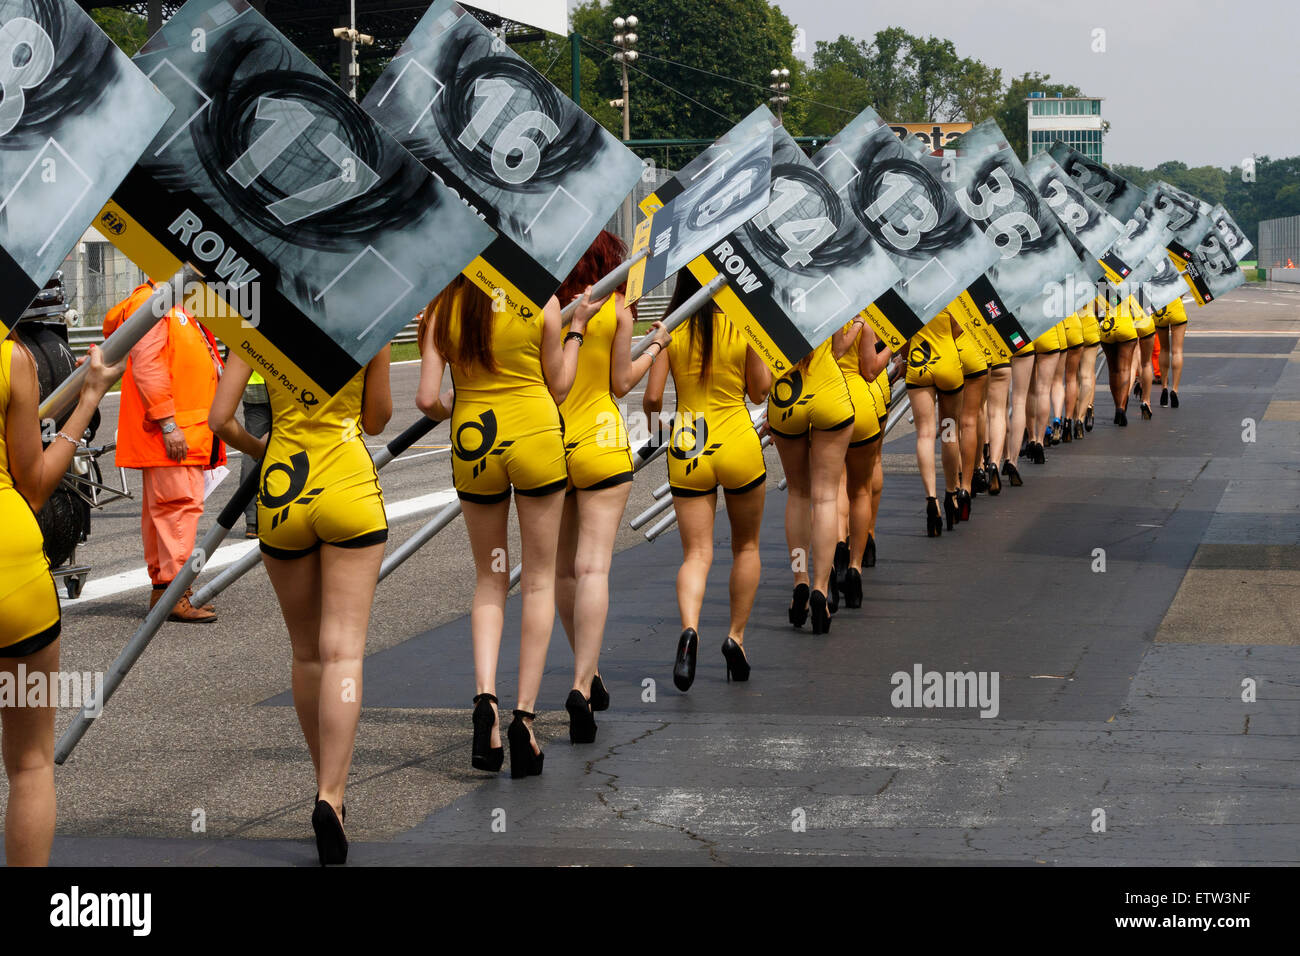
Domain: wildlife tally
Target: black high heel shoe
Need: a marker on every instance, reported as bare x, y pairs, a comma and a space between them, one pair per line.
524, 761
963, 504
853, 588
1146, 412
316, 799
869, 556
841, 556
1173, 399
821, 618
1067, 430
484, 756
994, 482
933, 523
331, 843
1164, 397
1037, 454
799, 605
1088, 419
582, 725
1078, 429
979, 482
684, 667
599, 694
737, 663
1012, 473
950, 508
1137, 389
1121, 418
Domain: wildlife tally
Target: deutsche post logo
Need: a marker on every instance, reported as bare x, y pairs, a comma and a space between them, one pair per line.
475, 440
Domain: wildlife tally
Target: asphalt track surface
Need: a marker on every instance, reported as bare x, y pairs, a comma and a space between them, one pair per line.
1119, 691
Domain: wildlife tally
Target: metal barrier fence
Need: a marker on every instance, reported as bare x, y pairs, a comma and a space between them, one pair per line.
1279, 243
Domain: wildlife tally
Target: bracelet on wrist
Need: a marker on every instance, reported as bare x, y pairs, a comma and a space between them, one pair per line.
574, 335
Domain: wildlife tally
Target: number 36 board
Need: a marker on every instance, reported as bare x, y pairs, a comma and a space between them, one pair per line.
318, 230
542, 172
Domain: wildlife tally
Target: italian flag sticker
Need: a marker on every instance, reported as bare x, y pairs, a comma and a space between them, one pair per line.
1017, 340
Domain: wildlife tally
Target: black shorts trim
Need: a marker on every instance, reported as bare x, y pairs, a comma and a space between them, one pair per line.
543, 490
748, 486
866, 441
483, 499
693, 492
1073, 347
994, 368
1038, 351
286, 554
611, 482
941, 391
982, 372
37, 642
1148, 335
379, 536
791, 435
844, 424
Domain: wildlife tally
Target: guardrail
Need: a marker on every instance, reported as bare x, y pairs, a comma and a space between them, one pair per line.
81, 338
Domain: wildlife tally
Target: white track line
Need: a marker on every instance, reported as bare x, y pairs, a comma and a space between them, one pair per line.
97, 589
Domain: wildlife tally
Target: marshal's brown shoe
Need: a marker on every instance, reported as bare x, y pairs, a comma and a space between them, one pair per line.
187, 613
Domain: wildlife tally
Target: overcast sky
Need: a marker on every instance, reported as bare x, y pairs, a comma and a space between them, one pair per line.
1204, 81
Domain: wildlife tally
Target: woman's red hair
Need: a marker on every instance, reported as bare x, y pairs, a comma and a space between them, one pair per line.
605, 255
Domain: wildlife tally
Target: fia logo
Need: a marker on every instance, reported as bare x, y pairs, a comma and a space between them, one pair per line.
113, 223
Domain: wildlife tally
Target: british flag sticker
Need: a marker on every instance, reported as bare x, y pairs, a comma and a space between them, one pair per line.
992, 309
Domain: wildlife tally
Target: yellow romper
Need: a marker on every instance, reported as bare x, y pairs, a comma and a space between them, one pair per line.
713, 439
319, 484
866, 418
1175, 313
596, 448
505, 428
1091, 327
815, 396
29, 605
1116, 324
932, 358
1144, 324
1073, 331
1053, 340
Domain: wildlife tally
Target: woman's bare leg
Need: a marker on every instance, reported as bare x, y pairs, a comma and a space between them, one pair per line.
745, 514
28, 745
695, 527
1022, 373
827, 464
599, 514
999, 392
795, 462
925, 421
972, 401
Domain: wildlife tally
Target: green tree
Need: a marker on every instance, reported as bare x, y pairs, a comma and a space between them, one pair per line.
682, 44
128, 30
905, 78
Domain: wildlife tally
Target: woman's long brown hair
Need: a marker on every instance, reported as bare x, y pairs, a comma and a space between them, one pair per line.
473, 307
701, 321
